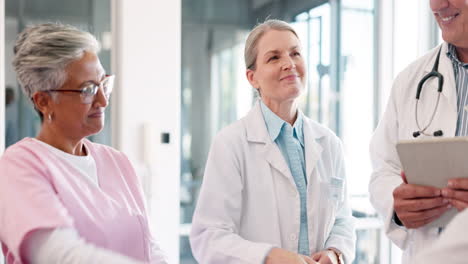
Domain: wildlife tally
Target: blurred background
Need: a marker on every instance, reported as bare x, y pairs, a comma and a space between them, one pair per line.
181, 78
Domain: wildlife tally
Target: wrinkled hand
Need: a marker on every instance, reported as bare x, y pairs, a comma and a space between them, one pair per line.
457, 193
417, 205
282, 256
325, 257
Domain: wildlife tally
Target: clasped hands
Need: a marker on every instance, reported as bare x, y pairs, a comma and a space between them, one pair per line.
282, 256
417, 205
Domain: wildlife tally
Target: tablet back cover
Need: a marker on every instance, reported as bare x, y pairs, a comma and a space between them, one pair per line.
433, 162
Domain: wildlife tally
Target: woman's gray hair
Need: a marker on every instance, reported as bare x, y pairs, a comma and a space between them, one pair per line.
251, 51
43, 51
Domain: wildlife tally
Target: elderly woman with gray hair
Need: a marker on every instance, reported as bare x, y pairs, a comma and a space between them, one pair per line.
64, 199
274, 189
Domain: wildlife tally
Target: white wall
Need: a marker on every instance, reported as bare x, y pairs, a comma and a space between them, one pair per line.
146, 59
2, 79
412, 32
386, 52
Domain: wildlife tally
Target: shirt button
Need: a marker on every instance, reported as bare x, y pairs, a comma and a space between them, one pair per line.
293, 237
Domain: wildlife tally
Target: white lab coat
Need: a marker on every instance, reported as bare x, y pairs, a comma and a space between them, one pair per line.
399, 123
249, 202
452, 245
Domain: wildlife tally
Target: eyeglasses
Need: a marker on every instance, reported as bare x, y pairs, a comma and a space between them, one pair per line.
89, 91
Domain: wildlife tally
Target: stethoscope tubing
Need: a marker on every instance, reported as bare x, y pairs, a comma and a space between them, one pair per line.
440, 77
423, 131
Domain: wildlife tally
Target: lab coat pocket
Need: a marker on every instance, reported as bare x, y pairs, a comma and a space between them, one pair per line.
331, 195
336, 189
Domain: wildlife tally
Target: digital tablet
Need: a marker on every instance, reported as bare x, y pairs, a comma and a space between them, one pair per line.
433, 162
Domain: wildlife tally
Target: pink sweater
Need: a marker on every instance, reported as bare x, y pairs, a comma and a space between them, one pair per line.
40, 191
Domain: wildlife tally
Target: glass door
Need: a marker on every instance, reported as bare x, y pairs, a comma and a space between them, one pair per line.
314, 29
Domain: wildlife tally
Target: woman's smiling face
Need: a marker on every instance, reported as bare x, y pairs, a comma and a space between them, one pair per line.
279, 73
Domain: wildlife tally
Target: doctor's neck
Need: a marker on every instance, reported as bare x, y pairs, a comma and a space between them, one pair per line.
462, 54
286, 110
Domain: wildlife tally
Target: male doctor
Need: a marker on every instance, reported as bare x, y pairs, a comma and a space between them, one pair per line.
407, 208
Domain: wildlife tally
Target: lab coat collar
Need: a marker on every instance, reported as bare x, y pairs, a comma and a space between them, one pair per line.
257, 133
313, 149
256, 129
275, 124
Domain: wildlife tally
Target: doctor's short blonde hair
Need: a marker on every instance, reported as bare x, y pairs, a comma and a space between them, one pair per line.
250, 51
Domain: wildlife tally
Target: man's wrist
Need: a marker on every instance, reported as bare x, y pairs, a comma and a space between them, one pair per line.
338, 255
396, 219
267, 258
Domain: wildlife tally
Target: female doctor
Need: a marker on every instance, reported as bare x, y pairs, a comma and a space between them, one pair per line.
274, 188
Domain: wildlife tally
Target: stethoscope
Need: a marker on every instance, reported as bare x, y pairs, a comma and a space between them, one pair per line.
436, 74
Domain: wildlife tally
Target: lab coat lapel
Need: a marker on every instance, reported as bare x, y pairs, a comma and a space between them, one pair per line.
446, 116
313, 150
274, 156
258, 133
446, 69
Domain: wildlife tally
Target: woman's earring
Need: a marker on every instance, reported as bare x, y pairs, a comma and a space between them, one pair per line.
49, 116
